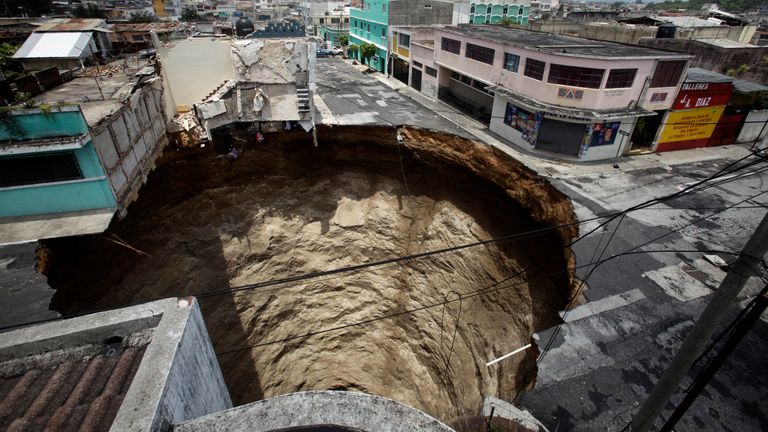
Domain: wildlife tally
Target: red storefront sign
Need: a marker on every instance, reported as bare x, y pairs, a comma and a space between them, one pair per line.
702, 95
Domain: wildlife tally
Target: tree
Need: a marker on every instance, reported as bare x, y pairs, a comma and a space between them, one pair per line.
546, 15
15, 8
89, 11
343, 40
352, 50
142, 17
8, 67
507, 21
189, 14
367, 51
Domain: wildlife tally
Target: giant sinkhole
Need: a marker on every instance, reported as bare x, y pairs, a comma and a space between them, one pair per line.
417, 330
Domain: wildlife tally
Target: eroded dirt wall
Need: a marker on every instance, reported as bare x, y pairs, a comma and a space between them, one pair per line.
286, 208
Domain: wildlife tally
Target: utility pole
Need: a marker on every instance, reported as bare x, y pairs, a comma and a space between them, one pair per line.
744, 267
741, 330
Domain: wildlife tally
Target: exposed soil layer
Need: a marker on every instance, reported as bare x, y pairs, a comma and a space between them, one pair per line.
286, 208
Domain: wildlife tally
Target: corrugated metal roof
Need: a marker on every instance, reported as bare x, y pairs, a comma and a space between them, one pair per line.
703, 75
748, 86
54, 45
71, 24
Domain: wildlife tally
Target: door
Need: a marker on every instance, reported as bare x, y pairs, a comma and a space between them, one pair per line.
560, 137
416, 78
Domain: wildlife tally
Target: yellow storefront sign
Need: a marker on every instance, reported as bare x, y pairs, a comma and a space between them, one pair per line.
691, 124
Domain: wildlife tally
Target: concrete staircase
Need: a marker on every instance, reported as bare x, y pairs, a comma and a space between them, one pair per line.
303, 95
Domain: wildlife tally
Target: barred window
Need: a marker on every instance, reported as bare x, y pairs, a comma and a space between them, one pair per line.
621, 78
431, 72
667, 73
451, 45
511, 62
417, 64
534, 69
47, 168
480, 53
575, 76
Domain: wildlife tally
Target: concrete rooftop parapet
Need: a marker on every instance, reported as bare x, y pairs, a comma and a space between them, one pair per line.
178, 376
357, 411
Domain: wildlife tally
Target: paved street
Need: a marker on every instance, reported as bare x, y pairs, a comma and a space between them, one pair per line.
610, 351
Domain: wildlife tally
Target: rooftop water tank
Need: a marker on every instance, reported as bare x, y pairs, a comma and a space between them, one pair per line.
243, 27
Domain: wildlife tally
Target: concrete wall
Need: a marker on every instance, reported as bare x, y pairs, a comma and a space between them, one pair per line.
542, 90
560, 27
420, 12
620, 146
425, 55
632, 34
89, 193
357, 411
617, 33
711, 57
179, 377
130, 142
755, 127
33, 124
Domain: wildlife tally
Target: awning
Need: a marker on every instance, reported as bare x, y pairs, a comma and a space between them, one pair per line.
60, 45
574, 115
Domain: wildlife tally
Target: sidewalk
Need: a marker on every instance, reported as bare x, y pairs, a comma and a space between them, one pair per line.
561, 169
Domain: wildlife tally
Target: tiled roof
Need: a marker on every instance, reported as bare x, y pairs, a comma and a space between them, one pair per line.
76, 394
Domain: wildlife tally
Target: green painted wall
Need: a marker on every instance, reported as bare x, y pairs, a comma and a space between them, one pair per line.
37, 125
482, 15
371, 25
90, 193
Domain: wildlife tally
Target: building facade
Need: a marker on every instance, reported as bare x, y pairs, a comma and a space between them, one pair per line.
551, 93
370, 23
516, 12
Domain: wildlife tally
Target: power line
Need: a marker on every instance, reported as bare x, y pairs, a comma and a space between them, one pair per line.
695, 221
495, 287
511, 237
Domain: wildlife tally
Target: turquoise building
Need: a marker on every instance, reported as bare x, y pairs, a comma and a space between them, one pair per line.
493, 13
370, 24
48, 164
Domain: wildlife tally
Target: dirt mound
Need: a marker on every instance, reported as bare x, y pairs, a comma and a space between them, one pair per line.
286, 208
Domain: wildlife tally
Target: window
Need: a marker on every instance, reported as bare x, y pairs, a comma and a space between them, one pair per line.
511, 62
575, 76
17, 171
431, 72
480, 53
137, 38
534, 69
322, 20
620, 78
451, 45
667, 73
417, 64
404, 40
383, 33
335, 21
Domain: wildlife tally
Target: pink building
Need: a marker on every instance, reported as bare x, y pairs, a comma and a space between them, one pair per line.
545, 92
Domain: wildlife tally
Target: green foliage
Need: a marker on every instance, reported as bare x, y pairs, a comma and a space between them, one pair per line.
189, 14
344, 40
367, 51
507, 21
546, 16
8, 67
142, 17
89, 11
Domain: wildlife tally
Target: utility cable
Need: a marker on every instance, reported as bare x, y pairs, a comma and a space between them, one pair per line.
495, 287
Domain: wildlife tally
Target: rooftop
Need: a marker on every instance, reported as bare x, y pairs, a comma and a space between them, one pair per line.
727, 43
100, 90
121, 369
55, 45
558, 44
71, 24
703, 75
160, 27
